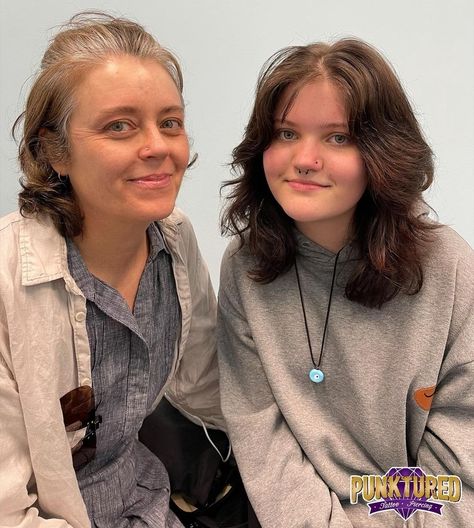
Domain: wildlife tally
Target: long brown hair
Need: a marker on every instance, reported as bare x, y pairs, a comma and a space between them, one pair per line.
389, 231
87, 40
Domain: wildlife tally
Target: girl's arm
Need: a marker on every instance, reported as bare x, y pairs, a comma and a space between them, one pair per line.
447, 446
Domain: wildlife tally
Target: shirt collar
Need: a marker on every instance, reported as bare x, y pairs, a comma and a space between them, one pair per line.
155, 238
86, 281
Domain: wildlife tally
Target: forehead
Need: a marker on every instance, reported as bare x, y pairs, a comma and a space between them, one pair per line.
126, 81
317, 95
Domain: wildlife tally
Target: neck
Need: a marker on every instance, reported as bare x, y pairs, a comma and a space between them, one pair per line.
330, 235
116, 255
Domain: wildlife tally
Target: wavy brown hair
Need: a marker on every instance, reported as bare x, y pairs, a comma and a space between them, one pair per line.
87, 40
390, 233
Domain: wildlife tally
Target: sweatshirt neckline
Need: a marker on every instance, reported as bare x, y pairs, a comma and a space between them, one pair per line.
307, 248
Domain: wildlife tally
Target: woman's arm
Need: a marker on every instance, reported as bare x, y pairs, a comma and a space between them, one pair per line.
195, 387
17, 502
281, 482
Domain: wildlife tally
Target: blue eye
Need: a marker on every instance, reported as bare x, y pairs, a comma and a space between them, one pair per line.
340, 139
286, 135
118, 126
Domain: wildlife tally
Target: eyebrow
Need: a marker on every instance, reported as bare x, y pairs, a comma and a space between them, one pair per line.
334, 124
134, 110
172, 108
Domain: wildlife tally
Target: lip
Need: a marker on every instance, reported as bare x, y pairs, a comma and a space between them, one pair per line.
306, 185
152, 181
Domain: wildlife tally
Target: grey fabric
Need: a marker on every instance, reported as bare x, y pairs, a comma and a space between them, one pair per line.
297, 443
131, 354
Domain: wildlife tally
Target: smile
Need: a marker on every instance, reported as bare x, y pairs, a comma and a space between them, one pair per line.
306, 185
152, 181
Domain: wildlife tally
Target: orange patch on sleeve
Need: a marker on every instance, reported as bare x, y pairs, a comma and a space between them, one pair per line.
424, 397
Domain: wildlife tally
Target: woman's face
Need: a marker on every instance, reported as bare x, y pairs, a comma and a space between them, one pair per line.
313, 168
128, 146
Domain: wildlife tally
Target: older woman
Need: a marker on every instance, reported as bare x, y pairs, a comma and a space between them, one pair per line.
105, 302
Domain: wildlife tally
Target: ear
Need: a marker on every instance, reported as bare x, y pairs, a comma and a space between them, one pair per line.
48, 140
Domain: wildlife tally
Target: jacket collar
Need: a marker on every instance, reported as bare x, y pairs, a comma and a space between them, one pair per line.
43, 251
170, 228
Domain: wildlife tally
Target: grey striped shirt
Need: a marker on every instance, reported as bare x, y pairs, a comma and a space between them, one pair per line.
131, 357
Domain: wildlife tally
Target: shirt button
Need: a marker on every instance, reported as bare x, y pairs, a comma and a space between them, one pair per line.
87, 381
80, 317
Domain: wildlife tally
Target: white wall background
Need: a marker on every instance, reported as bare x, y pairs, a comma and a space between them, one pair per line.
223, 43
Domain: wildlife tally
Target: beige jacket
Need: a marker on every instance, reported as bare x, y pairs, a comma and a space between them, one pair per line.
44, 353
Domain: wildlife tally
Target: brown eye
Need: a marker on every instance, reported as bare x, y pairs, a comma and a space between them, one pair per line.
172, 123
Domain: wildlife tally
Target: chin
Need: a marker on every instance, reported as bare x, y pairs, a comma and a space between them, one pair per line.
155, 210
301, 216
163, 212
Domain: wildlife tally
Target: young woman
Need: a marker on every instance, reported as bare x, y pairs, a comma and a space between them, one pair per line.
105, 302
345, 323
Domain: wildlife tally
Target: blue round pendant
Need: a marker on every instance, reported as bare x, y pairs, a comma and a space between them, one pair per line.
316, 375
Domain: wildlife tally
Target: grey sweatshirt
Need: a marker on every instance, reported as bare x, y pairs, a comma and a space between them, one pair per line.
297, 443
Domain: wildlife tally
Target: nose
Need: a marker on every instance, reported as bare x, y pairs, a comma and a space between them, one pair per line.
308, 156
153, 144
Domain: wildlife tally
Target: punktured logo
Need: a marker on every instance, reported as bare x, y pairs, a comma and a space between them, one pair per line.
405, 490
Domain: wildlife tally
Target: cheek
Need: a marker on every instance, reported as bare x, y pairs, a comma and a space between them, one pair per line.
354, 174
181, 153
361, 177
272, 163
186, 156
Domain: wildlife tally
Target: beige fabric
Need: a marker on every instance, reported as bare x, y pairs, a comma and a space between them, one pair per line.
44, 353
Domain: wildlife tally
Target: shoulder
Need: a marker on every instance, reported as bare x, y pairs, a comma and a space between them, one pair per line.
8, 222
236, 258
237, 254
179, 236
32, 247
236, 264
14, 223
10, 227
181, 241
10, 261
177, 228
448, 267
447, 249
178, 218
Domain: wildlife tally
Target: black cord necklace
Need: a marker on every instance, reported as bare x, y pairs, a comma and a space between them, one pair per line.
316, 374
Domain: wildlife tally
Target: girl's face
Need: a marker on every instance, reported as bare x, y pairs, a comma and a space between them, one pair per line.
128, 145
313, 168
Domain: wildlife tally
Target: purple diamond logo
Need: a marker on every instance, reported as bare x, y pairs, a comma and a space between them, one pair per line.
407, 500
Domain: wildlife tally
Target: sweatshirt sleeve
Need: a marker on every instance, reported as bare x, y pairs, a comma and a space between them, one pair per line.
447, 446
282, 484
17, 502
